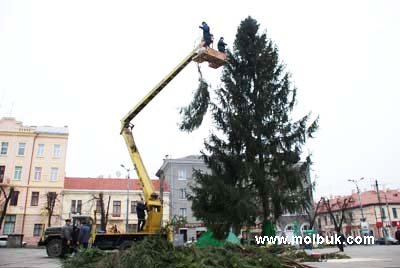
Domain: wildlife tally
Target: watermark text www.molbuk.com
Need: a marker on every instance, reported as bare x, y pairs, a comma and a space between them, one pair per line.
314, 239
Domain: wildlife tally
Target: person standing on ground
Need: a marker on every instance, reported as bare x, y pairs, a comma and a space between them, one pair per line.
67, 235
84, 235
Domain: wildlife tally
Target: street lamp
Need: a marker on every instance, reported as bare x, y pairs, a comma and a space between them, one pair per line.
359, 196
127, 198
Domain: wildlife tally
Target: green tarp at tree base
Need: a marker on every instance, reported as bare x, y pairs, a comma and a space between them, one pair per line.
207, 240
269, 229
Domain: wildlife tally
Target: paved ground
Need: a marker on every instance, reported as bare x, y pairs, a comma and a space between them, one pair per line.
364, 256
26, 257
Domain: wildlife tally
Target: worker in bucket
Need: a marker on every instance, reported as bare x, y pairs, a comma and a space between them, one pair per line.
206, 34
221, 45
141, 214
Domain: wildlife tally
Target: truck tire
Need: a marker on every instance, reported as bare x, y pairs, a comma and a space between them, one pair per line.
125, 245
54, 248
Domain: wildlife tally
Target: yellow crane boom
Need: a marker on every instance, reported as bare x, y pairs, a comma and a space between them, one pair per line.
152, 199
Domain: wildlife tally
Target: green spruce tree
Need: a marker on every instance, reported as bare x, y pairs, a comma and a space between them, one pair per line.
256, 163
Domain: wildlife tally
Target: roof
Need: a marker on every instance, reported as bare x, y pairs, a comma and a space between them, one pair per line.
367, 198
107, 184
188, 160
190, 157
51, 130
10, 124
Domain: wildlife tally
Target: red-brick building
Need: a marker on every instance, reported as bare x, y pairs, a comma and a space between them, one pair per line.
79, 198
385, 213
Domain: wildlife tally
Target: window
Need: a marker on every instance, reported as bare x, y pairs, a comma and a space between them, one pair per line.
319, 222
4, 148
76, 206
394, 210
133, 207
326, 220
21, 148
182, 174
73, 206
37, 229
182, 193
17, 173
383, 213
57, 150
9, 224
116, 208
35, 199
14, 198
38, 173
53, 175
40, 150
79, 206
2, 171
182, 212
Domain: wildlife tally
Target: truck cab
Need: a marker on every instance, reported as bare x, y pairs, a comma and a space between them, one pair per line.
53, 238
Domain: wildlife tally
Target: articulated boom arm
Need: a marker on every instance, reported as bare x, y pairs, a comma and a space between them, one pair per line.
157, 89
152, 199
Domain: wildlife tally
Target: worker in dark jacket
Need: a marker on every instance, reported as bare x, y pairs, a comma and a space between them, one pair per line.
67, 235
84, 235
221, 45
206, 34
141, 215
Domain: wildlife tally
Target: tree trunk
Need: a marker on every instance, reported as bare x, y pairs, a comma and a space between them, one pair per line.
102, 213
108, 208
5, 205
49, 219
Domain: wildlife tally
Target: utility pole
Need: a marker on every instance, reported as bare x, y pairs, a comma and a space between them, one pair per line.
127, 199
380, 207
359, 197
388, 211
387, 207
160, 174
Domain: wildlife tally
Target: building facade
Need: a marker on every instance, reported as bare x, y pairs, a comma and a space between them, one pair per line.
32, 161
378, 215
80, 197
179, 176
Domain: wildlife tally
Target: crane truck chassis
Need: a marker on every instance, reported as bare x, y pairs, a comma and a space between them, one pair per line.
53, 240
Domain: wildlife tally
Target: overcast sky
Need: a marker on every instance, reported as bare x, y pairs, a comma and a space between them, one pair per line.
86, 63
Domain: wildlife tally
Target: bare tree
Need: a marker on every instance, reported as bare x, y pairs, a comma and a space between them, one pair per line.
51, 198
349, 219
6, 200
312, 213
103, 211
340, 206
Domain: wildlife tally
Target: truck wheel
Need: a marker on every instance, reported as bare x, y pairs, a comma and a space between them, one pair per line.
54, 248
125, 245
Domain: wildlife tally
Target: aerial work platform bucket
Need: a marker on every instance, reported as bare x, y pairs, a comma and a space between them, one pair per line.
214, 58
